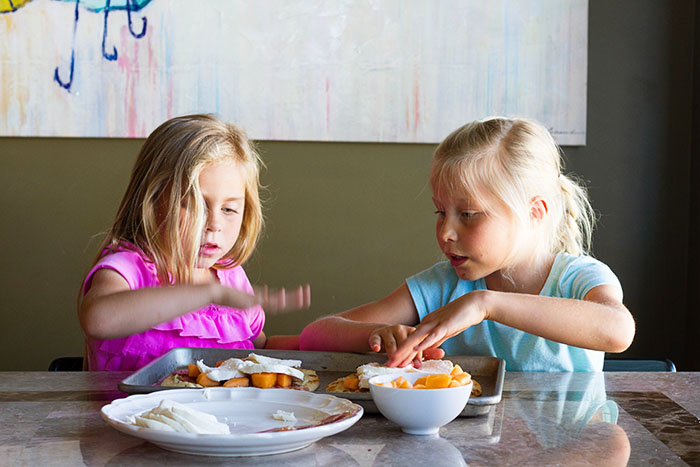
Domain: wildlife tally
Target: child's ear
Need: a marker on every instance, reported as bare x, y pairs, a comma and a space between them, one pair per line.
538, 208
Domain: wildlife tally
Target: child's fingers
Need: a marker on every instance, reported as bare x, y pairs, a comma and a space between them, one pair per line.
375, 343
402, 356
301, 297
307, 295
389, 344
408, 360
274, 300
433, 353
433, 339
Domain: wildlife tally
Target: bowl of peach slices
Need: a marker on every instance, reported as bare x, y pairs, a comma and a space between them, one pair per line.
421, 403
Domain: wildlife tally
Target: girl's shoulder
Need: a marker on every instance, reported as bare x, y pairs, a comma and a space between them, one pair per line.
130, 262
234, 277
126, 255
574, 276
567, 264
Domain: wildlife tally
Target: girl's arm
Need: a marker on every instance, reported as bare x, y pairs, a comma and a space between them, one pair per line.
282, 342
599, 322
376, 326
110, 309
260, 342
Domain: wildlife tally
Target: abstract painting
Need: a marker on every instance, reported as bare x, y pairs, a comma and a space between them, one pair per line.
402, 71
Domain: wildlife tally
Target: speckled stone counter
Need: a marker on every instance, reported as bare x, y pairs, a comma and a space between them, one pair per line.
544, 419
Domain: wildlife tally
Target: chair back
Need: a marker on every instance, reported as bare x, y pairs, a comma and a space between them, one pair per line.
633, 364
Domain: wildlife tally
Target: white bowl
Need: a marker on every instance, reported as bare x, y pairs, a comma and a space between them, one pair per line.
418, 411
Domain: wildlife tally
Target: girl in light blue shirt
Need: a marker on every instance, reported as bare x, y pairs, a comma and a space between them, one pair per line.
517, 283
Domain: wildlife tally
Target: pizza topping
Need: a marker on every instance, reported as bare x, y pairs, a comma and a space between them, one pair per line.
254, 364
365, 372
255, 370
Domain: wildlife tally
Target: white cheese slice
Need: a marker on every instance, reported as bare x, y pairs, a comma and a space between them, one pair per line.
284, 416
235, 367
173, 416
273, 361
249, 367
224, 372
436, 366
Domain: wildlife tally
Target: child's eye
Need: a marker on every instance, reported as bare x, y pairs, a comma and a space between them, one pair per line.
440, 213
229, 211
468, 214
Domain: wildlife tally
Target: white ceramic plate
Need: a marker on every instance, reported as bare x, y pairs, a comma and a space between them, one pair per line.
248, 412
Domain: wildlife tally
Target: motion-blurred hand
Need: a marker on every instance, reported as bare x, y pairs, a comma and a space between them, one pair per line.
283, 299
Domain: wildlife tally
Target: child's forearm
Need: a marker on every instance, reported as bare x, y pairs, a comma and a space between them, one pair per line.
282, 342
338, 334
599, 325
124, 313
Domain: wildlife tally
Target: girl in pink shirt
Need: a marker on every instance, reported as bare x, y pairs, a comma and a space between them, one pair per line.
169, 271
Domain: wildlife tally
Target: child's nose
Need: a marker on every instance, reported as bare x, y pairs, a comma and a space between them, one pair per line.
213, 222
447, 232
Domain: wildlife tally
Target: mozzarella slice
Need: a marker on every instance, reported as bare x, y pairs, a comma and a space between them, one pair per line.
235, 367
436, 366
273, 361
173, 416
224, 372
249, 367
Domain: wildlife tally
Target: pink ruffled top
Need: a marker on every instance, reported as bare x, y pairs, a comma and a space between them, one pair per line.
211, 326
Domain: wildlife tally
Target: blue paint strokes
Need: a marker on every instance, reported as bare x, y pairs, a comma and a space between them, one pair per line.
144, 22
99, 5
103, 6
109, 56
56, 76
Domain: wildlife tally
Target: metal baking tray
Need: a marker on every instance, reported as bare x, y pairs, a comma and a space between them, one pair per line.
488, 371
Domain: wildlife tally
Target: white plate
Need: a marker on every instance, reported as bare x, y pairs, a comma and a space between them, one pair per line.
248, 412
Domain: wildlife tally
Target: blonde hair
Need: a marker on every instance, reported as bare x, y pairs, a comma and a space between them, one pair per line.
513, 161
165, 178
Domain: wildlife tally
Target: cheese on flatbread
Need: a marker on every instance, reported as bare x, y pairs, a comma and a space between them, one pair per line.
236, 368
365, 372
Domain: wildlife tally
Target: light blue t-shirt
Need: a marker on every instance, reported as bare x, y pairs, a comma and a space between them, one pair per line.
570, 277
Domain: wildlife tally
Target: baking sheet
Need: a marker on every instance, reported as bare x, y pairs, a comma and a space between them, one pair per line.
488, 371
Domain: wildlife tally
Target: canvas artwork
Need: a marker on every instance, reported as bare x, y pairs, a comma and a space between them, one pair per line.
355, 70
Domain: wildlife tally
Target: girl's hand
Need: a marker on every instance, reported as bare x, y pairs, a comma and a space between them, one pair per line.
272, 300
391, 337
278, 300
439, 326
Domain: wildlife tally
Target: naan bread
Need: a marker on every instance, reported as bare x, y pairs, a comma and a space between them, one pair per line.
309, 383
476, 389
339, 386
179, 381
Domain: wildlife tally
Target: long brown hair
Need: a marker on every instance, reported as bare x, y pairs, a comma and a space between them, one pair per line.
165, 178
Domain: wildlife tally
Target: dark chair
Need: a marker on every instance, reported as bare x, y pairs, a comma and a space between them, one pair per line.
633, 364
67, 364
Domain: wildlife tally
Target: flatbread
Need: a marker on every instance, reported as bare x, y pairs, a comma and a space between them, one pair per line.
476, 389
339, 386
309, 383
177, 380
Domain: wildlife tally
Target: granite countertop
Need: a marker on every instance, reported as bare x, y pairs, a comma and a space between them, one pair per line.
544, 418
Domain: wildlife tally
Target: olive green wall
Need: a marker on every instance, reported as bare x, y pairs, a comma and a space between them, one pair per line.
355, 219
